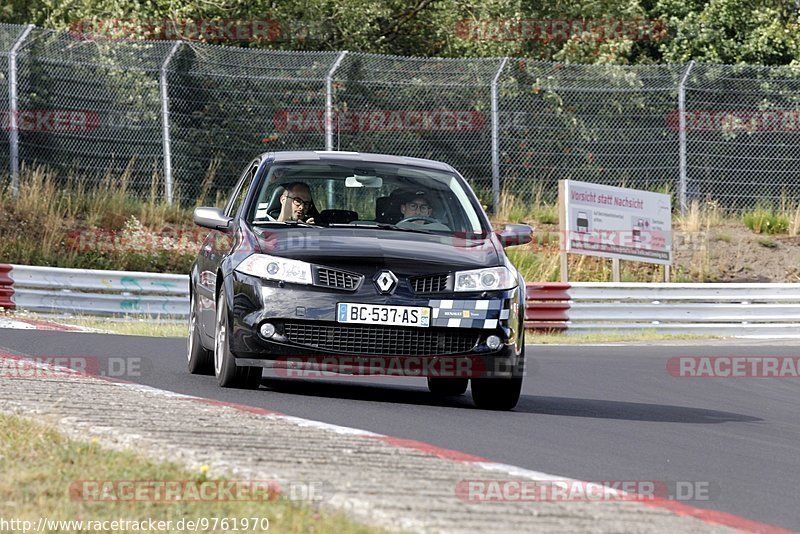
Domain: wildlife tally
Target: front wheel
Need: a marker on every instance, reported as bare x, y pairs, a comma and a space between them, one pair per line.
200, 359
499, 393
496, 393
229, 375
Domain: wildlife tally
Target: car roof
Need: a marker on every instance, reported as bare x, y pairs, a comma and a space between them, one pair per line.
365, 157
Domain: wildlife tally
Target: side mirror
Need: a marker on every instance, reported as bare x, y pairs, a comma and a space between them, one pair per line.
213, 218
515, 234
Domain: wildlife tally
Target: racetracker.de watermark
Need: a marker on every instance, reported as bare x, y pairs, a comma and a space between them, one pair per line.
372, 366
175, 491
189, 241
381, 120
50, 120
202, 30
560, 30
736, 120
112, 241
60, 367
734, 366
525, 490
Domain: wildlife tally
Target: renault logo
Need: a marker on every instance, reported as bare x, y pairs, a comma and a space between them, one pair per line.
385, 281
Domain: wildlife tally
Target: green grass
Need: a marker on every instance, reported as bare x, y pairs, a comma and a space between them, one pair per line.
60, 222
541, 263
136, 327
39, 466
767, 221
130, 326
643, 336
133, 326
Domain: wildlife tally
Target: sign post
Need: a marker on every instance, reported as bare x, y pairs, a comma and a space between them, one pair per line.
562, 229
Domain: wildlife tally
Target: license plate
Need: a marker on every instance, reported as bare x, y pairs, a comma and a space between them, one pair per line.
379, 314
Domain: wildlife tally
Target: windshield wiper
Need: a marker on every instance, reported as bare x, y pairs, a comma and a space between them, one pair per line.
380, 226
286, 223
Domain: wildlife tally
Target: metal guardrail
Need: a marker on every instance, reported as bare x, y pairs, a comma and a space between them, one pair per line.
89, 292
715, 309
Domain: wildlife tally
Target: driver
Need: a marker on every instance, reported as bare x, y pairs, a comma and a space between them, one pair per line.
415, 204
296, 203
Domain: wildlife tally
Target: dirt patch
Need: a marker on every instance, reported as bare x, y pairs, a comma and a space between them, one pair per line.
733, 253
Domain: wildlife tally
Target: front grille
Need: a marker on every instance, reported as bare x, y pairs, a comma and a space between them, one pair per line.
430, 284
325, 276
381, 340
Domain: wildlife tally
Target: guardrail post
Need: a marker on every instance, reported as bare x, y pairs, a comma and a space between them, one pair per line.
682, 137
13, 111
168, 184
329, 101
496, 138
547, 307
6, 287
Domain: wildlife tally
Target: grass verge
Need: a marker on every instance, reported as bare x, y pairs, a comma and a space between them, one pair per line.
643, 336
40, 467
59, 221
155, 328
132, 326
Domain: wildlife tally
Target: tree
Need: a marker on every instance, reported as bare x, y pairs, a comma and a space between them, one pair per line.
730, 31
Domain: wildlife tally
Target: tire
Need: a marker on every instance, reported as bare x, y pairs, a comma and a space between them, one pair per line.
499, 393
200, 360
447, 387
228, 374
496, 393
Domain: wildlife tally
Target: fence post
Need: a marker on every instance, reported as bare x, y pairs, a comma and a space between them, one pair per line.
329, 101
496, 139
13, 111
682, 136
162, 85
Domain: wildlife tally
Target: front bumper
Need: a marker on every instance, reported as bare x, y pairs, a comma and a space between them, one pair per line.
308, 336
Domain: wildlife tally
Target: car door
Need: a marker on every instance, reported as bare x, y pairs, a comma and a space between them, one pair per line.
216, 248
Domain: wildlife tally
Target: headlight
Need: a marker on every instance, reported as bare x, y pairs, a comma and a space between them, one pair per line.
275, 268
496, 278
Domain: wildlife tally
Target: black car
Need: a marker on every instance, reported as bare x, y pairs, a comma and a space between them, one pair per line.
358, 263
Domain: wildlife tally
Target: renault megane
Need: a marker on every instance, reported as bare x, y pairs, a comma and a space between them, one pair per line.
357, 263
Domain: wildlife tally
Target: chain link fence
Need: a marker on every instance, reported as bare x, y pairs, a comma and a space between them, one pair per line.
743, 133
183, 119
8, 37
88, 109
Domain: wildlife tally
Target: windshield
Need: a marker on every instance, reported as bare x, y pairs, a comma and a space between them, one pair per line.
358, 194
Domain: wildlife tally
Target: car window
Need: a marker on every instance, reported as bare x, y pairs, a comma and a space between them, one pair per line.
368, 194
240, 190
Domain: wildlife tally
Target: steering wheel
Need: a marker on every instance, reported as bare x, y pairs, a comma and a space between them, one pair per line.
415, 218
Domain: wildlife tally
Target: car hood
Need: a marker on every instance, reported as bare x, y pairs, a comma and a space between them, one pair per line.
405, 251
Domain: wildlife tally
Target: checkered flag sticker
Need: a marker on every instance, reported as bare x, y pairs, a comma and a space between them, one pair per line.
468, 313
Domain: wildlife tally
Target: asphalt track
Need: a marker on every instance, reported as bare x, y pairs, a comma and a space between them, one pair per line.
587, 412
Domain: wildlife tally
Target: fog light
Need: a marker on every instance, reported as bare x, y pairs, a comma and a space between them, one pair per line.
267, 330
493, 342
